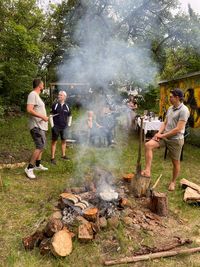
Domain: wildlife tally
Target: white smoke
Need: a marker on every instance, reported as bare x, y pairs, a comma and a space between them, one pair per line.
104, 54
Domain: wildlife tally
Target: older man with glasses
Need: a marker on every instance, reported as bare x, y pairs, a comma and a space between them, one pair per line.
61, 113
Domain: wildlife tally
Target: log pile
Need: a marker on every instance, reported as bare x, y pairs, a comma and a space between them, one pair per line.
74, 217
192, 191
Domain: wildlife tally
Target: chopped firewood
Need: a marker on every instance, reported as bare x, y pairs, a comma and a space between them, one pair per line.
61, 244
91, 214
56, 215
45, 246
75, 199
128, 177
159, 203
78, 190
191, 195
53, 226
185, 183
151, 256
85, 232
81, 219
33, 240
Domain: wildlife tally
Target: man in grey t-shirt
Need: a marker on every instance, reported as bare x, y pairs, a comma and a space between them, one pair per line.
171, 135
38, 125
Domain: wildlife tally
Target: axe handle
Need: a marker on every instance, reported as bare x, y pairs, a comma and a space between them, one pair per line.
156, 183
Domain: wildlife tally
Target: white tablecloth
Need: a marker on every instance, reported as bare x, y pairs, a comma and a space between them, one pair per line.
153, 125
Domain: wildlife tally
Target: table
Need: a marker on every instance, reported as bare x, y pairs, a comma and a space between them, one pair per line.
153, 125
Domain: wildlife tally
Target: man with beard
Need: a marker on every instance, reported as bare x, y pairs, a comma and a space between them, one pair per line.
171, 135
38, 124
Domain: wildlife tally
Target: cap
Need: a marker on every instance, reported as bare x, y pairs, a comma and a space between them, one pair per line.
177, 92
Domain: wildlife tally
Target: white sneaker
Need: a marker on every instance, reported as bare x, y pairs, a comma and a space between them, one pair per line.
40, 168
29, 173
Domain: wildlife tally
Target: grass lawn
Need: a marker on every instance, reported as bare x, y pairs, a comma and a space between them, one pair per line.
25, 203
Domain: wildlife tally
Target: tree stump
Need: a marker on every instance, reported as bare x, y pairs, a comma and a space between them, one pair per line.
159, 203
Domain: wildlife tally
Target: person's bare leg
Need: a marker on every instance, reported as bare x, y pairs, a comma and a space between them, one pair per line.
53, 149
149, 147
36, 156
63, 146
175, 174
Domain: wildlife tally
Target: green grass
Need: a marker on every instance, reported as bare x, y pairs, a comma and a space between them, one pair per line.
25, 203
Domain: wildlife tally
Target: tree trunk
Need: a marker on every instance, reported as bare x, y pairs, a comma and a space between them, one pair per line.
159, 203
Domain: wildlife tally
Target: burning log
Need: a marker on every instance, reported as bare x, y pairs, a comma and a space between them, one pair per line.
128, 177
33, 240
53, 226
159, 203
152, 256
61, 244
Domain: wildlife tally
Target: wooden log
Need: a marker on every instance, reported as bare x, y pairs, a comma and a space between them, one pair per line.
45, 246
185, 183
61, 244
53, 226
191, 195
159, 203
85, 232
152, 256
33, 240
91, 214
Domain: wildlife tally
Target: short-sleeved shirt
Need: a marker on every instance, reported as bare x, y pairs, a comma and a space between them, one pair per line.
62, 112
174, 115
38, 106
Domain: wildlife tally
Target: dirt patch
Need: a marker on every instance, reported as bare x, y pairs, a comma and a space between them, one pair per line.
14, 157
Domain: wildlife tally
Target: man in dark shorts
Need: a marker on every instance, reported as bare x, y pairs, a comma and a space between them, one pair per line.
61, 114
171, 135
38, 125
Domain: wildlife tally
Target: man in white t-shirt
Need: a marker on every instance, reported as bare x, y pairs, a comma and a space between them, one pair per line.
38, 125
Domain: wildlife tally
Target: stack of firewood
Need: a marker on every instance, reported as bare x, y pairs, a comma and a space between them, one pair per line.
192, 191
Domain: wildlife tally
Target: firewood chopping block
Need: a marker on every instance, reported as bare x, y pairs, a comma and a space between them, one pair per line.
158, 201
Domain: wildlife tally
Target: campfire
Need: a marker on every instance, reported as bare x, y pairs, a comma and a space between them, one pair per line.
82, 212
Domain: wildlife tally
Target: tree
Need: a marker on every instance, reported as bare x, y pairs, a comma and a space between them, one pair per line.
21, 31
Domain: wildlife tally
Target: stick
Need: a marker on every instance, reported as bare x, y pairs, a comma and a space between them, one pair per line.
152, 256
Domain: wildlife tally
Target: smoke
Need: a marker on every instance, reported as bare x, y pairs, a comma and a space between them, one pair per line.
104, 53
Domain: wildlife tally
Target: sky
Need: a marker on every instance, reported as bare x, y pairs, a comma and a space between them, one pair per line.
195, 4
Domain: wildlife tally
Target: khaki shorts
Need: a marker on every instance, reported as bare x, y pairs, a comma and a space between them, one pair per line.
174, 146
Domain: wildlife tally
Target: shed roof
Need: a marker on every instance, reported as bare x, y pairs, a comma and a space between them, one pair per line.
192, 74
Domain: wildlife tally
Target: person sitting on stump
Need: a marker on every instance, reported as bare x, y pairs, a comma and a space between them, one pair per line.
171, 135
61, 113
